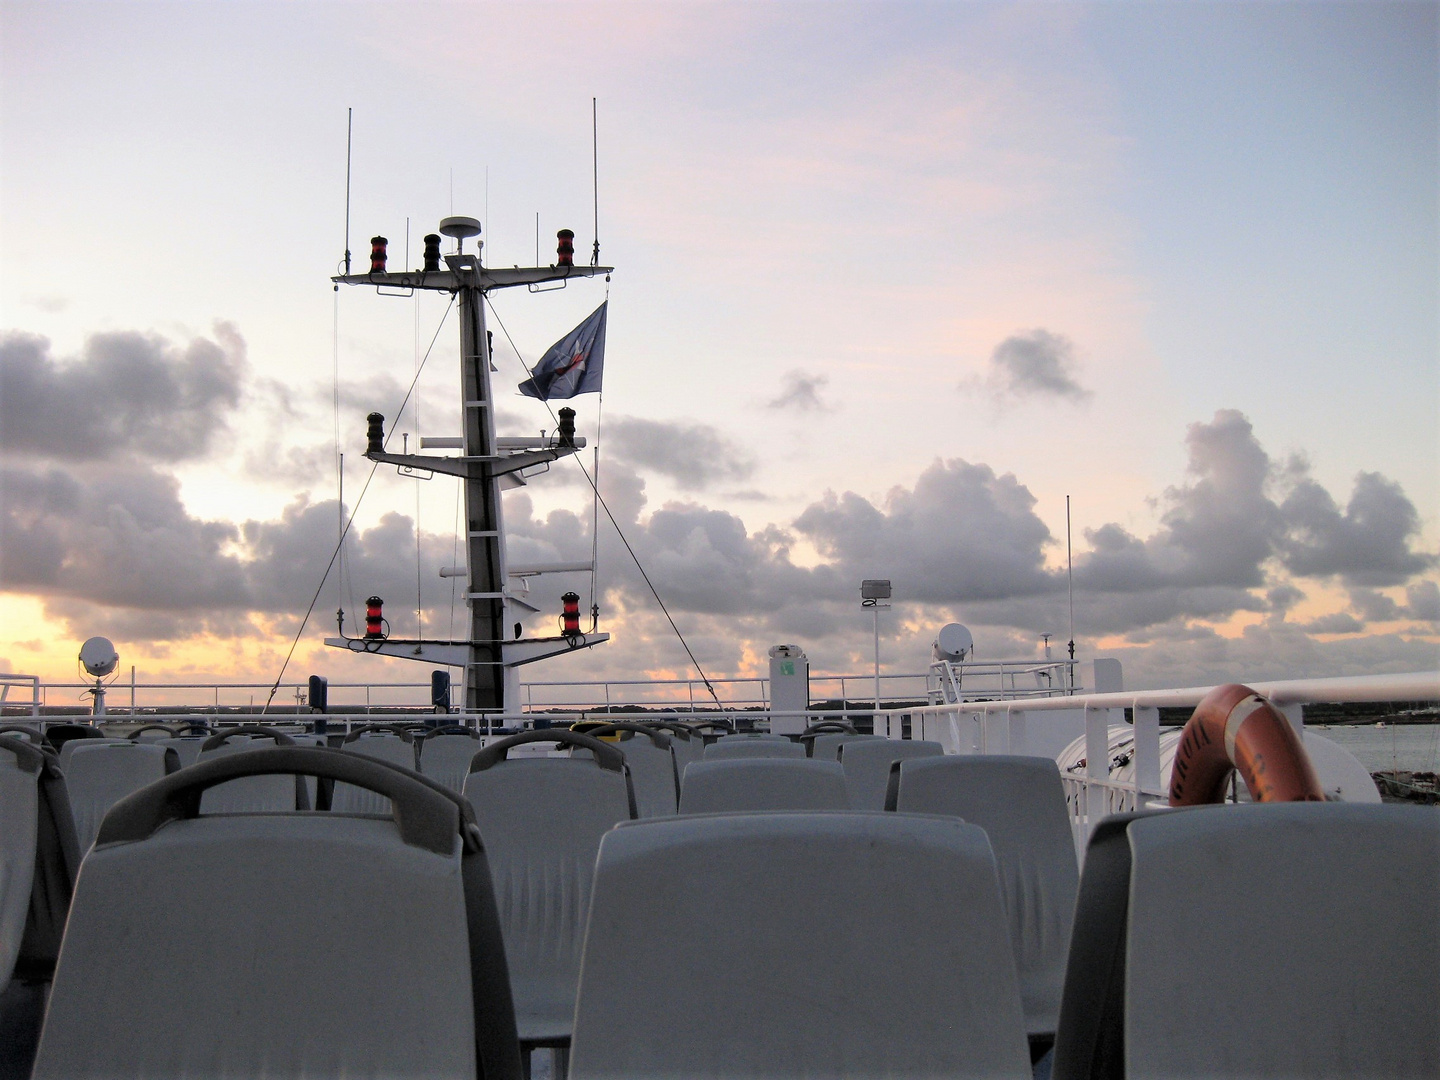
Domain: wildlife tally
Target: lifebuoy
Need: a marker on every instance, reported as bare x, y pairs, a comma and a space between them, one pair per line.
1235, 728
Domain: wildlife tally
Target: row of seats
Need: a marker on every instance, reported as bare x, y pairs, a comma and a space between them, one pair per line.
1191, 956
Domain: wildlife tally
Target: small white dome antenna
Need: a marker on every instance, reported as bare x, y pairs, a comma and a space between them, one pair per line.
99, 659
954, 644
459, 227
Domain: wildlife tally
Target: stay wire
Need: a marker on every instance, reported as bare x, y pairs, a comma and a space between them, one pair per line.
618, 531
350, 521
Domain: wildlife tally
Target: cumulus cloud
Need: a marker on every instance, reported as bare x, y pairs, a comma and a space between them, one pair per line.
1422, 601
693, 455
126, 393
1339, 622
118, 535
1374, 606
801, 392
1218, 529
1368, 545
1283, 597
1223, 534
962, 533
114, 542
1035, 364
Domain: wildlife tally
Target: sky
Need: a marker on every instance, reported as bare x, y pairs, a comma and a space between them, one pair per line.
892, 281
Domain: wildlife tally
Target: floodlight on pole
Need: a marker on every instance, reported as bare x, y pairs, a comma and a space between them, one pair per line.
872, 592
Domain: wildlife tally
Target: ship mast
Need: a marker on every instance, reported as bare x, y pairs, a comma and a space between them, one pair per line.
490, 662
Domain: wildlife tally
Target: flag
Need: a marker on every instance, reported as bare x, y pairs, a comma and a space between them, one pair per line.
574, 364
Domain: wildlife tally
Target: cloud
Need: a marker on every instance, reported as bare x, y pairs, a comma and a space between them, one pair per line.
1374, 606
113, 546
1223, 530
117, 536
963, 533
1422, 601
693, 455
801, 392
1035, 364
1283, 597
1339, 622
1217, 530
1368, 545
126, 393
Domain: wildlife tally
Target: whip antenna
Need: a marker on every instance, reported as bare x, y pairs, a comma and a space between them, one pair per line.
595, 175
349, 129
1070, 585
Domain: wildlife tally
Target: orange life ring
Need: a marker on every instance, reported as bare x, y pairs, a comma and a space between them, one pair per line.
1235, 728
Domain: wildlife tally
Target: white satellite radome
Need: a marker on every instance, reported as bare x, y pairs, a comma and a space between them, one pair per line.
459, 226
98, 656
953, 643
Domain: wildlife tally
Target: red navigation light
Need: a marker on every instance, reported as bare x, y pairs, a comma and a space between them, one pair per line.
565, 250
570, 621
373, 618
377, 254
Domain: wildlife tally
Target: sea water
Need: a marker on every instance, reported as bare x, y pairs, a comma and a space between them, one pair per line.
1407, 747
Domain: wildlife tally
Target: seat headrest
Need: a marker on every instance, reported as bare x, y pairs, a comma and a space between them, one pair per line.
427, 815
658, 738
606, 756
377, 729
253, 731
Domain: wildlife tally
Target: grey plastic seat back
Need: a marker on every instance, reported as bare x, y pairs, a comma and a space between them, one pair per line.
1020, 803
753, 784
687, 746
827, 747
20, 810
542, 819
249, 794
653, 774
172, 907
67, 749
103, 772
810, 962
349, 799
867, 766
752, 746
1273, 940
186, 747
446, 759
35, 810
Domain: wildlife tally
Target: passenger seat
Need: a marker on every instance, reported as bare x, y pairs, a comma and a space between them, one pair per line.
788, 946
1268, 940
399, 973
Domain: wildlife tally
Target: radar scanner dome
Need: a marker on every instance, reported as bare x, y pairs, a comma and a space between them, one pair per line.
953, 643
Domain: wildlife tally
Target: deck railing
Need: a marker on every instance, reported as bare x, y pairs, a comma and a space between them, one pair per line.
1031, 726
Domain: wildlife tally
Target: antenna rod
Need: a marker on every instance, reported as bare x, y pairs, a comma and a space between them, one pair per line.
1070, 577
340, 544
595, 175
349, 128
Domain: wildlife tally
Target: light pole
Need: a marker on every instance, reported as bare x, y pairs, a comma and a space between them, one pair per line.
872, 592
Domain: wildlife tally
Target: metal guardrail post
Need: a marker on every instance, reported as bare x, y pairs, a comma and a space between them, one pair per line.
1147, 750
1097, 764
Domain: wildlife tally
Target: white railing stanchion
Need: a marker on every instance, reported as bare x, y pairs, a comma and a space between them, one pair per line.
1147, 751
1097, 764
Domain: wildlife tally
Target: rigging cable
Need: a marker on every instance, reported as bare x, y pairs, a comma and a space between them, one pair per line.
350, 521
595, 519
415, 416
618, 531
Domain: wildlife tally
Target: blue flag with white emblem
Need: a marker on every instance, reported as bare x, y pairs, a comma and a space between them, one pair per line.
574, 364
